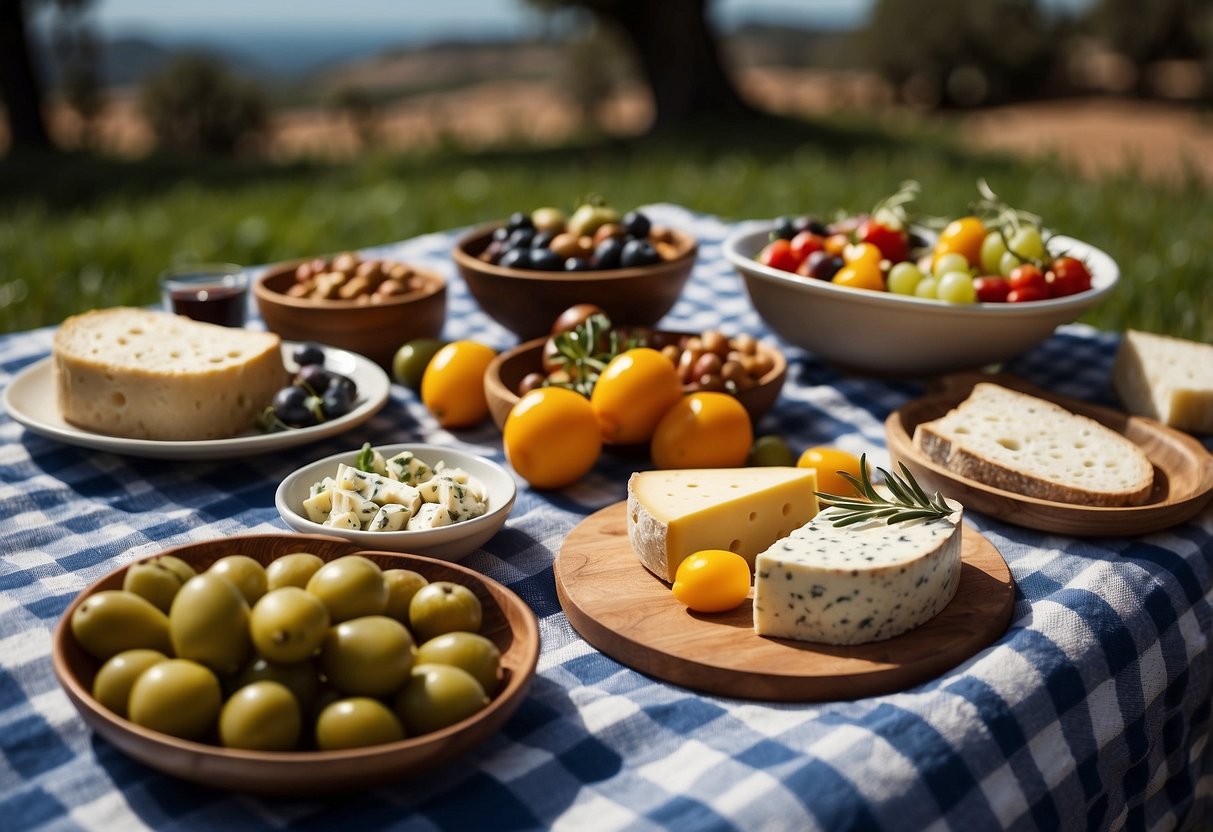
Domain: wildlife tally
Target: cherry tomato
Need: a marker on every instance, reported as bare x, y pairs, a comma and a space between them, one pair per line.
703, 430
452, 386
1029, 277
863, 274
861, 253
804, 244
991, 288
893, 244
1027, 293
712, 580
1068, 276
778, 255
633, 393
836, 243
827, 462
963, 236
551, 437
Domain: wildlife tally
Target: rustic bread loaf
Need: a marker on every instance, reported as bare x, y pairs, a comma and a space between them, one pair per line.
1024, 444
152, 375
1168, 379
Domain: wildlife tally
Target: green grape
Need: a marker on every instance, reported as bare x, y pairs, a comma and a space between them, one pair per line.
904, 278
1008, 263
951, 262
956, 287
926, 288
1027, 243
992, 250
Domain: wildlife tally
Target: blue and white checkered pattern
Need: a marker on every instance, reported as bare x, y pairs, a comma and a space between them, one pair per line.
1093, 711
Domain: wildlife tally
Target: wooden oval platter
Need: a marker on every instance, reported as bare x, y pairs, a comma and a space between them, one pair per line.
508, 622
629, 614
1183, 469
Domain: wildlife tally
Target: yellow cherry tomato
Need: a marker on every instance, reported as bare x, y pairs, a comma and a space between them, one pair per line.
703, 430
863, 274
551, 437
452, 387
963, 236
836, 244
862, 253
633, 393
713, 580
827, 462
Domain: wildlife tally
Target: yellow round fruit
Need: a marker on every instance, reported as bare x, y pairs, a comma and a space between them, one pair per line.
703, 430
712, 580
962, 236
452, 387
827, 462
631, 395
551, 437
862, 274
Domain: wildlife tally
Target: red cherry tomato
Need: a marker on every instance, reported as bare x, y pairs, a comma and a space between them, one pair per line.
805, 243
778, 255
1068, 276
1027, 293
1028, 276
991, 288
893, 244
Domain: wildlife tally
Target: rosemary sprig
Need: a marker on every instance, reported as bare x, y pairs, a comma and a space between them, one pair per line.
909, 501
584, 351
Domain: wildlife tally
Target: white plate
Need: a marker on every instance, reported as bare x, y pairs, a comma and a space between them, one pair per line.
452, 542
30, 400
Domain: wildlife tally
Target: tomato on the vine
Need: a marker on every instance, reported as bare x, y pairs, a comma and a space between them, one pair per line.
991, 288
1028, 276
894, 245
778, 255
804, 244
1068, 276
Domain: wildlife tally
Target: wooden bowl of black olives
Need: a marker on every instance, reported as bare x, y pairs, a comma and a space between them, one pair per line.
286, 664
524, 272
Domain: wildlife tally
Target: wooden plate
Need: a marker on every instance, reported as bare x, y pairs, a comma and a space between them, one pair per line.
508, 622
1183, 469
628, 613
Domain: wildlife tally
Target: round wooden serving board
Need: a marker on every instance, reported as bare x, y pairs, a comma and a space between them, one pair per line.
630, 614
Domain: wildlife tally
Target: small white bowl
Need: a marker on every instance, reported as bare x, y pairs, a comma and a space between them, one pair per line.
451, 543
886, 334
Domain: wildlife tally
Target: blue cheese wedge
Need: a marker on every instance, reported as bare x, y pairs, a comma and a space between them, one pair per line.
856, 584
390, 518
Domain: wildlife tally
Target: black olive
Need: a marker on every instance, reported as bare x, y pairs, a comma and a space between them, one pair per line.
315, 377
636, 224
520, 219
543, 239
823, 265
501, 234
515, 258
545, 259
345, 383
785, 229
336, 402
521, 238
578, 264
308, 354
291, 406
638, 253
606, 255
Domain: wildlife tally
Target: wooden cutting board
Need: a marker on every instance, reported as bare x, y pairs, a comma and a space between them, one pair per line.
629, 614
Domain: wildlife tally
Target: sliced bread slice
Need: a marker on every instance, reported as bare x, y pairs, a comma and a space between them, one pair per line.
1026, 445
1165, 378
151, 375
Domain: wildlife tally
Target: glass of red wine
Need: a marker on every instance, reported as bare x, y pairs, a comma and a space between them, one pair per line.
216, 293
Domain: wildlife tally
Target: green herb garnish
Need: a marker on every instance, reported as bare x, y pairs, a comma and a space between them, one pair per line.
584, 351
366, 459
909, 501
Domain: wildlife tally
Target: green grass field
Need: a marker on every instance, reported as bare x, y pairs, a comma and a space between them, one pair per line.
81, 232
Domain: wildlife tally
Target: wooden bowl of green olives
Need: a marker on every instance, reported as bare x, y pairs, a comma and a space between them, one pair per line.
349, 668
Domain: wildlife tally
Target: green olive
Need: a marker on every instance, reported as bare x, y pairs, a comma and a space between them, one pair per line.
263, 716
113, 620
209, 623
113, 683
154, 581
551, 220
444, 607
295, 569
176, 564
410, 361
402, 585
355, 723
288, 625
178, 697
468, 651
302, 679
588, 218
770, 450
368, 656
350, 587
247, 574
438, 695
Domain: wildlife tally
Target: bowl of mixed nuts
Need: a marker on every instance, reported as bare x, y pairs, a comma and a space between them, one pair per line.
583, 340
353, 302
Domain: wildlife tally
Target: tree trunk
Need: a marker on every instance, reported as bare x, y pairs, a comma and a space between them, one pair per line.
679, 56
19, 85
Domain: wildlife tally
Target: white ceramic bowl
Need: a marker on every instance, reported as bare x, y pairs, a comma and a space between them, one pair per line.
884, 334
450, 543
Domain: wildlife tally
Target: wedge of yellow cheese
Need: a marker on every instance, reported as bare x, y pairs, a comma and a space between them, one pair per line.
672, 514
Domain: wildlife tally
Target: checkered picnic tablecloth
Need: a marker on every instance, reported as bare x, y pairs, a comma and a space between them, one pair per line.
1093, 711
